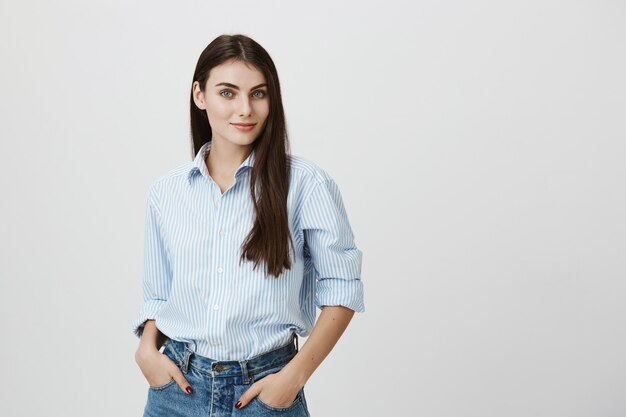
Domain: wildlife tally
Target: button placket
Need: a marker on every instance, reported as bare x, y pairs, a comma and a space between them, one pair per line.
218, 231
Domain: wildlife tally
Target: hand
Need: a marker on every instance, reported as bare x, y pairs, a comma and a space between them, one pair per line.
159, 369
278, 389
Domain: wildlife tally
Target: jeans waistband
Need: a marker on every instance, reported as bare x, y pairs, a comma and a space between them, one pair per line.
247, 369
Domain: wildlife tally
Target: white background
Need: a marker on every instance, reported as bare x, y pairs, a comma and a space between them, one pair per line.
479, 147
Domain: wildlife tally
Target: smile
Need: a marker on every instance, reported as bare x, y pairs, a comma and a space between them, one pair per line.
244, 127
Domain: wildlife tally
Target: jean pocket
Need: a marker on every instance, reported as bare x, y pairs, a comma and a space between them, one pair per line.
167, 352
290, 407
161, 387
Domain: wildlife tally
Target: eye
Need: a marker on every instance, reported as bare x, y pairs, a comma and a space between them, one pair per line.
261, 94
227, 92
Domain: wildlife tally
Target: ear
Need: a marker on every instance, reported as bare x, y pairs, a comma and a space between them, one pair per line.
198, 96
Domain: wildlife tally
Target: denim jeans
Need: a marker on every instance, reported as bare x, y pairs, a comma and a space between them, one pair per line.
217, 385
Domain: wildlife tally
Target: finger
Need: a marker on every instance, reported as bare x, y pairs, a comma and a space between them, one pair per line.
250, 393
181, 381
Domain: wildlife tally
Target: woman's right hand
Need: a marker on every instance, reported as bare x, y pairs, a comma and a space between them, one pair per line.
159, 369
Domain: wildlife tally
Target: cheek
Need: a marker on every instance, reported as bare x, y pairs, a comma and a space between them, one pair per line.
262, 110
218, 110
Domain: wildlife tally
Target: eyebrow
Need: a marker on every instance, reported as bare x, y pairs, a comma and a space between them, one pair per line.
237, 88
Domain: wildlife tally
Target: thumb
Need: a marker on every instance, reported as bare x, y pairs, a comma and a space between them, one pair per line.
247, 396
181, 380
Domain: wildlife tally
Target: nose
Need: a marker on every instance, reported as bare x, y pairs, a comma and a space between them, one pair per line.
244, 107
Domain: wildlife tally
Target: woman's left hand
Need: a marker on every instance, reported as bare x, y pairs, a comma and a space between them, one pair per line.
277, 390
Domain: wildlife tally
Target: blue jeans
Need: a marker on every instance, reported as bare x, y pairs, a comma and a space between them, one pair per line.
217, 385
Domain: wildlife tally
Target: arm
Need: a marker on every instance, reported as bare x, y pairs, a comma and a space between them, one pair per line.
151, 340
156, 367
329, 327
157, 277
338, 290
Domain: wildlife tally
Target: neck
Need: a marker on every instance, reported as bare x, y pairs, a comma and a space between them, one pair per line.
223, 159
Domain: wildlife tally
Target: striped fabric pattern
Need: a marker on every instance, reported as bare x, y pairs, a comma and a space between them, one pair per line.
197, 290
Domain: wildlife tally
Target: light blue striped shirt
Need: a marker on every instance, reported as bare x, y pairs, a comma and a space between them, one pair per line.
194, 286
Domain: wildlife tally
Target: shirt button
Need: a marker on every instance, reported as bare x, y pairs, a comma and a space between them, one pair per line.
216, 306
222, 232
220, 270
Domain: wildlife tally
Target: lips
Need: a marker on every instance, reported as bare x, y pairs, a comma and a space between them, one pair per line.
244, 127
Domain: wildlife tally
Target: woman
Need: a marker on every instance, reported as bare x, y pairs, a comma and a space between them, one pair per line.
242, 244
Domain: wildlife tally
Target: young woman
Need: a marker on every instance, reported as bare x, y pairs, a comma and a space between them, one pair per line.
242, 244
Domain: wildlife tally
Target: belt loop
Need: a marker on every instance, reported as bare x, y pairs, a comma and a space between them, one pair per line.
244, 371
164, 345
188, 353
295, 336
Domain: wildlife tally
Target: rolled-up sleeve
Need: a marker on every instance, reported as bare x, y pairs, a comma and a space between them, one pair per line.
330, 242
157, 275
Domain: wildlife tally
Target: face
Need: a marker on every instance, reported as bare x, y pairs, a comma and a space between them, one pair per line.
236, 101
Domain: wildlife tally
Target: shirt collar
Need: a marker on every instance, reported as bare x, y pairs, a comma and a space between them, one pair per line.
199, 166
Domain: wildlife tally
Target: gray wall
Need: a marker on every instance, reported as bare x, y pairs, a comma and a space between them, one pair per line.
479, 147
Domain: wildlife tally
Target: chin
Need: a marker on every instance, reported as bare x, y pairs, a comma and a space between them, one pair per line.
243, 141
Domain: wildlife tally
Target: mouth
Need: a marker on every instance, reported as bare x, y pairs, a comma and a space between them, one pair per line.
243, 124
244, 127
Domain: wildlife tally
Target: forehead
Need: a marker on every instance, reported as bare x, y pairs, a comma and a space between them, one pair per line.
239, 73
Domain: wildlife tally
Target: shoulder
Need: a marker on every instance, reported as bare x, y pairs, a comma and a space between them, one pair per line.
305, 170
311, 182
171, 179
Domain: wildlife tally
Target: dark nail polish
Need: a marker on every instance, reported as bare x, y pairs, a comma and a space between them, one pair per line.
188, 389
238, 405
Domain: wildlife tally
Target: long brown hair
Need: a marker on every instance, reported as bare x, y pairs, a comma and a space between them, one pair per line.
269, 237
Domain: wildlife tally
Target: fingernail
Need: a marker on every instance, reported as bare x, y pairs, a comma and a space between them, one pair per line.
238, 405
188, 389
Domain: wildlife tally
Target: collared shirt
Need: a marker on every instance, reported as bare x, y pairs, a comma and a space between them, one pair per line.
197, 291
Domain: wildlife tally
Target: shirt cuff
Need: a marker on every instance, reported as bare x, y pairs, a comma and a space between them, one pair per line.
340, 292
148, 311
